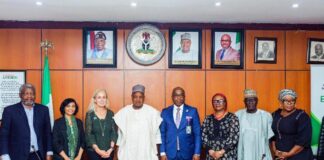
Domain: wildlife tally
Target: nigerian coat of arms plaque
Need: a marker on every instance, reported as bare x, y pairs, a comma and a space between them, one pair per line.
145, 44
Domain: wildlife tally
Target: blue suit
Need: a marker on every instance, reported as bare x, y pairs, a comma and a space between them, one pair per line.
15, 132
190, 143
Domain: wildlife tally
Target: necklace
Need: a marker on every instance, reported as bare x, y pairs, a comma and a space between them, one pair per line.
103, 116
102, 128
220, 116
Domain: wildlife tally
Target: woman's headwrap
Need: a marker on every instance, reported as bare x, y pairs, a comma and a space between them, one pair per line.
286, 92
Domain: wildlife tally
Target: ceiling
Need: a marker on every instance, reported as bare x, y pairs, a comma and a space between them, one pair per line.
168, 11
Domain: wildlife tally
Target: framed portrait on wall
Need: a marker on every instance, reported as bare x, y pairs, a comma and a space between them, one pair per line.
99, 48
185, 48
315, 52
227, 49
265, 50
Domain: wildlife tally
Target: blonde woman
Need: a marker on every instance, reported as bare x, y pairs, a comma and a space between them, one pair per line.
100, 129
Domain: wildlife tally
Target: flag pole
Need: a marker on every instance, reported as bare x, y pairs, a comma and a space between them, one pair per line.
46, 86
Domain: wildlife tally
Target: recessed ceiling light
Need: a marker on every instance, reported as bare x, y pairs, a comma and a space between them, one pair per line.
295, 5
133, 4
39, 3
218, 4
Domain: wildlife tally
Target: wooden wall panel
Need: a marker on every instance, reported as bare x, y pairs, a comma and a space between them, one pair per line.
203, 50
193, 82
161, 64
112, 81
267, 84
154, 82
315, 34
300, 82
120, 48
230, 83
250, 48
69, 79
35, 77
165, 58
19, 49
66, 84
67, 52
296, 49
208, 48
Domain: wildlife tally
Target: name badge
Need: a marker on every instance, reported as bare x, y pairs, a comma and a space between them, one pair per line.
188, 129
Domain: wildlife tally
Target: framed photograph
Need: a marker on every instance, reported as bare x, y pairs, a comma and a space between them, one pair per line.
10, 82
227, 49
99, 48
145, 44
265, 50
315, 53
185, 49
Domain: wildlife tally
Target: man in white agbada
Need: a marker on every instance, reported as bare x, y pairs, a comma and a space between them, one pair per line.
138, 129
255, 130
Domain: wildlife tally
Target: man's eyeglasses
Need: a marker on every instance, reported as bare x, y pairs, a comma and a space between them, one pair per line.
250, 100
28, 94
285, 101
220, 101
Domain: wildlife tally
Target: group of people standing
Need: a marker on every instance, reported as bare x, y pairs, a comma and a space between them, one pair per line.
140, 132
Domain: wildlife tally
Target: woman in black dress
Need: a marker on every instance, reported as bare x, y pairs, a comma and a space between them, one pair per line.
292, 129
220, 131
68, 134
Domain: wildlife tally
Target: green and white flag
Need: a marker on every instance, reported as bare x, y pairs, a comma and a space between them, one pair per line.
46, 90
317, 102
238, 42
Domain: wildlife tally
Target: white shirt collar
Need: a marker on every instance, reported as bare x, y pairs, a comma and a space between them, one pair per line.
175, 107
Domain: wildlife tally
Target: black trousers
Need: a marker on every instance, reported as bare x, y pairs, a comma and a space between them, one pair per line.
94, 156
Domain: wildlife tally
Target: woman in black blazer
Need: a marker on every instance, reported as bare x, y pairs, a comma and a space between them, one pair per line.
68, 133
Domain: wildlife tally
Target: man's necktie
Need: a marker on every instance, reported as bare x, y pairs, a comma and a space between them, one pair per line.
178, 119
222, 54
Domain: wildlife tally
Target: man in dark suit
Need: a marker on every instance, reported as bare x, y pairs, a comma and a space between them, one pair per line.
26, 130
266, 53
180, 130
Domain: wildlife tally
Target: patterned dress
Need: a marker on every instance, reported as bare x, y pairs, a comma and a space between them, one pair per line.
221, 134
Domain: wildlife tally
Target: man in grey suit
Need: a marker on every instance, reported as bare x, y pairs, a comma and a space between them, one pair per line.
318, 52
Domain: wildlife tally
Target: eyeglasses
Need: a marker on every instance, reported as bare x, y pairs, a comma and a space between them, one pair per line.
250, 100
285, 101
219, 101
28, 94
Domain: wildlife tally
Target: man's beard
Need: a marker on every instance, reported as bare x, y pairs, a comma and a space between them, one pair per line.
28, 103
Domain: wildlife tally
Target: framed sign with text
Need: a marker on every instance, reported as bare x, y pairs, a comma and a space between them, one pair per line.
10, 82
